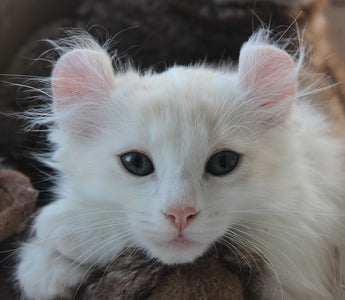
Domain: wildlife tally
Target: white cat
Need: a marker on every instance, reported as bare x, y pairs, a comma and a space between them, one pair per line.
171, 162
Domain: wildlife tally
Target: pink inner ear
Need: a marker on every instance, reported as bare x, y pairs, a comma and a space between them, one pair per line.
80, 73
267, 70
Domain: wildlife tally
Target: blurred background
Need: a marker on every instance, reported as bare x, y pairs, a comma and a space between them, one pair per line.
20, 20
335, 15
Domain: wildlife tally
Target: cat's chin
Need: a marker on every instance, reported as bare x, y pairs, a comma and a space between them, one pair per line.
178, 251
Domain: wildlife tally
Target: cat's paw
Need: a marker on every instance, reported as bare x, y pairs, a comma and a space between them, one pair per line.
43, 273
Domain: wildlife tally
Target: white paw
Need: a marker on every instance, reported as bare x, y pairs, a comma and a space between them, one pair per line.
43, 273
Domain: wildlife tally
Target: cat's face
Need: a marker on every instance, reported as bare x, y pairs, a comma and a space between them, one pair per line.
180, 154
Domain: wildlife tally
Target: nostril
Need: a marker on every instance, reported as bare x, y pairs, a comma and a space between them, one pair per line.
171, 217
191, 216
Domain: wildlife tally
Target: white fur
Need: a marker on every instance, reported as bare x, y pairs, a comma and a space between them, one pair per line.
284, 202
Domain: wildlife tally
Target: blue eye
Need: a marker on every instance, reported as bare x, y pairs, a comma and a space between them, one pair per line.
137, 163
222, 163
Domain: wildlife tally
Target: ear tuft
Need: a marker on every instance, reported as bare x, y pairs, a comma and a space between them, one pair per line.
80, 74
267, 74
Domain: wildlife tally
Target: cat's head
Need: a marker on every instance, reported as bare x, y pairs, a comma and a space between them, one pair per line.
182, 155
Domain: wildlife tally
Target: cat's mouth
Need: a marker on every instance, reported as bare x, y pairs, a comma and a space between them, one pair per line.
178, 249
181, 242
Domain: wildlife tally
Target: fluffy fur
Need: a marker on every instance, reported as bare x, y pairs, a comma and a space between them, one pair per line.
283, 202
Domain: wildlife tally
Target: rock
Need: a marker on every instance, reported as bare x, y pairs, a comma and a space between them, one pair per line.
17, 200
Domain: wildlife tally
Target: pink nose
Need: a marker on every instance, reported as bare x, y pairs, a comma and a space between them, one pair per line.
180, 217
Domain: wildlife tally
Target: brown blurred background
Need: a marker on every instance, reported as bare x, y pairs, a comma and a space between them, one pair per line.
335, 14
20, 19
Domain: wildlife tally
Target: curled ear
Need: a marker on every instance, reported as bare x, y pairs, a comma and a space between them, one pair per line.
82, 81
267, 75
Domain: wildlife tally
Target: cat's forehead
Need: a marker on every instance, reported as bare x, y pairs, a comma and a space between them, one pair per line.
195, 79
194, 94
184, 106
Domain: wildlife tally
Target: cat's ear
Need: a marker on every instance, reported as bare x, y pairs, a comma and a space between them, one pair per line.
267, 75
82, 81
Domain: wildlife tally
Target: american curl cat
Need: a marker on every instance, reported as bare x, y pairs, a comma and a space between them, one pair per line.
175, 161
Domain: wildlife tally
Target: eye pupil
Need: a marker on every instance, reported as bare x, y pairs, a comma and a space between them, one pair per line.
222, 163
137, 163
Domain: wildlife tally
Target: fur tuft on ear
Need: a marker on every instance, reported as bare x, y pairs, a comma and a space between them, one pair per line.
82, 81
267, 75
